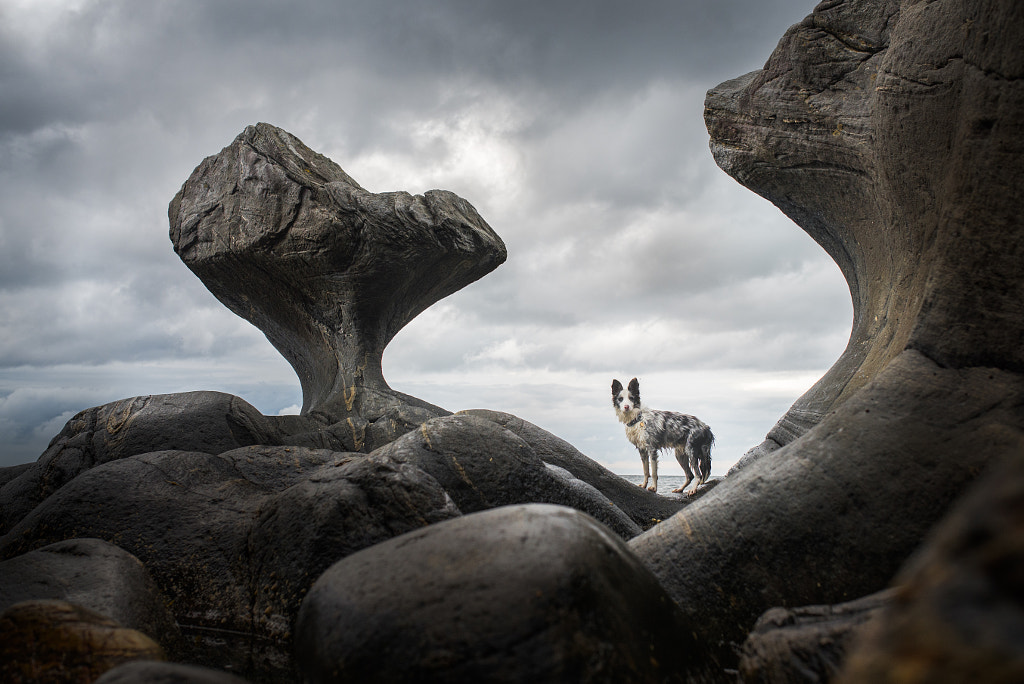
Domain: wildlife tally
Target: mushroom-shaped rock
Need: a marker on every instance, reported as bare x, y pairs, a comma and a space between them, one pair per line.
890, 131
327, 270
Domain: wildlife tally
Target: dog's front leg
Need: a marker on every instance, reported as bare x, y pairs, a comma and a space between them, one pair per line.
647, 473
654, 471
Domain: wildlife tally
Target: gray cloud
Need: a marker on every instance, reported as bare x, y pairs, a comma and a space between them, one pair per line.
574, 127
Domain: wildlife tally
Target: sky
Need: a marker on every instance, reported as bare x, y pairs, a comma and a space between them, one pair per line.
574, 127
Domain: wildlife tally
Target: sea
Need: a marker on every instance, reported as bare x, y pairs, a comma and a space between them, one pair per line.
666, 483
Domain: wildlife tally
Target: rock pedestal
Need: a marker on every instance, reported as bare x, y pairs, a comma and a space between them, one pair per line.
327, 270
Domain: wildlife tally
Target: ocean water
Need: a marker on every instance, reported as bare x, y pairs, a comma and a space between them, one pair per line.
666, 483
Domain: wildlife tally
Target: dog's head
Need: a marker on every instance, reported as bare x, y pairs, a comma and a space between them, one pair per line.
626, 400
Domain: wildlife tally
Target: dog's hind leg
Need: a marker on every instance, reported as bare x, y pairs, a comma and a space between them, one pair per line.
654, 471
683, 459
647, 472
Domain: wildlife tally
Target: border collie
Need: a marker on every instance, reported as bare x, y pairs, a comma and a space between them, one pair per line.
651, 431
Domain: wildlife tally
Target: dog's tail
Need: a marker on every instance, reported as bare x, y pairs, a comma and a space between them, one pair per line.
701, 441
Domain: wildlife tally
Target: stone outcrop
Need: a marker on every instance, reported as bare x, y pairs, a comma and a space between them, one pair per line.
890, 131
514, 594
327, 270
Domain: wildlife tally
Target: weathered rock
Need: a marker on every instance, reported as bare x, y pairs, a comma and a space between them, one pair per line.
807, 644
211, 422
482, 465
234, 540
96, 575
643, 507
55, 642
515, 594
328, 271
891, 132
156, 672
957, 614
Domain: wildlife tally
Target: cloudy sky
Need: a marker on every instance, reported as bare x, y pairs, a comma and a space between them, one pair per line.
573, 126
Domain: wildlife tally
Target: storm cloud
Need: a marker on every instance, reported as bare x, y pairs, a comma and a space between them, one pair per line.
575, 128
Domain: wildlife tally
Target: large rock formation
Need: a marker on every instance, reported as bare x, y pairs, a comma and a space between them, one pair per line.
891, 132
328, 271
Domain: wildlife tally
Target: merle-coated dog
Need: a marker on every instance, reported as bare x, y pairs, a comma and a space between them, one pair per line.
651, 431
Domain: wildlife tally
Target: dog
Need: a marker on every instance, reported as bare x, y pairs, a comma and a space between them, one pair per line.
651, 431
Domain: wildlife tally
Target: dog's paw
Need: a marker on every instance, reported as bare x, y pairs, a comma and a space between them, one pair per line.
653, 488
679, 489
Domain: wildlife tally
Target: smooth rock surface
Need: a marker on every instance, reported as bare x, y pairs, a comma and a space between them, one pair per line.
98, 576
516, 594
55, 642
327, 270
889, 131
892, 133
482, 465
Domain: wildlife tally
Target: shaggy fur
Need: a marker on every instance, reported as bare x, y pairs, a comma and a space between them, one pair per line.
651, 431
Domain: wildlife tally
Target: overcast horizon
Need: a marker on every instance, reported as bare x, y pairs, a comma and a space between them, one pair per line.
575, 129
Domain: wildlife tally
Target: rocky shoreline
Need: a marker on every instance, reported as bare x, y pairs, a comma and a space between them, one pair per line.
376, 537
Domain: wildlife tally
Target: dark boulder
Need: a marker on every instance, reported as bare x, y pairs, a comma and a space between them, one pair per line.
96, 575
156, 672
514, 594
482, 465
957, 613
328, 271
890, 131
807, 644
55, 642
234, 540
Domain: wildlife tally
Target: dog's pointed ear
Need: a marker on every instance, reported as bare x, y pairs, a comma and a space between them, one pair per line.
616, 387
634, 386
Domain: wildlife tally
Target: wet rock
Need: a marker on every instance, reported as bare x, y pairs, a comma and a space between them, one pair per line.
514, 594
482, 465
54, 642
154, 672
234, 540
957, 614
807, 644
327, 270
890, 132
96, 575
643, 507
